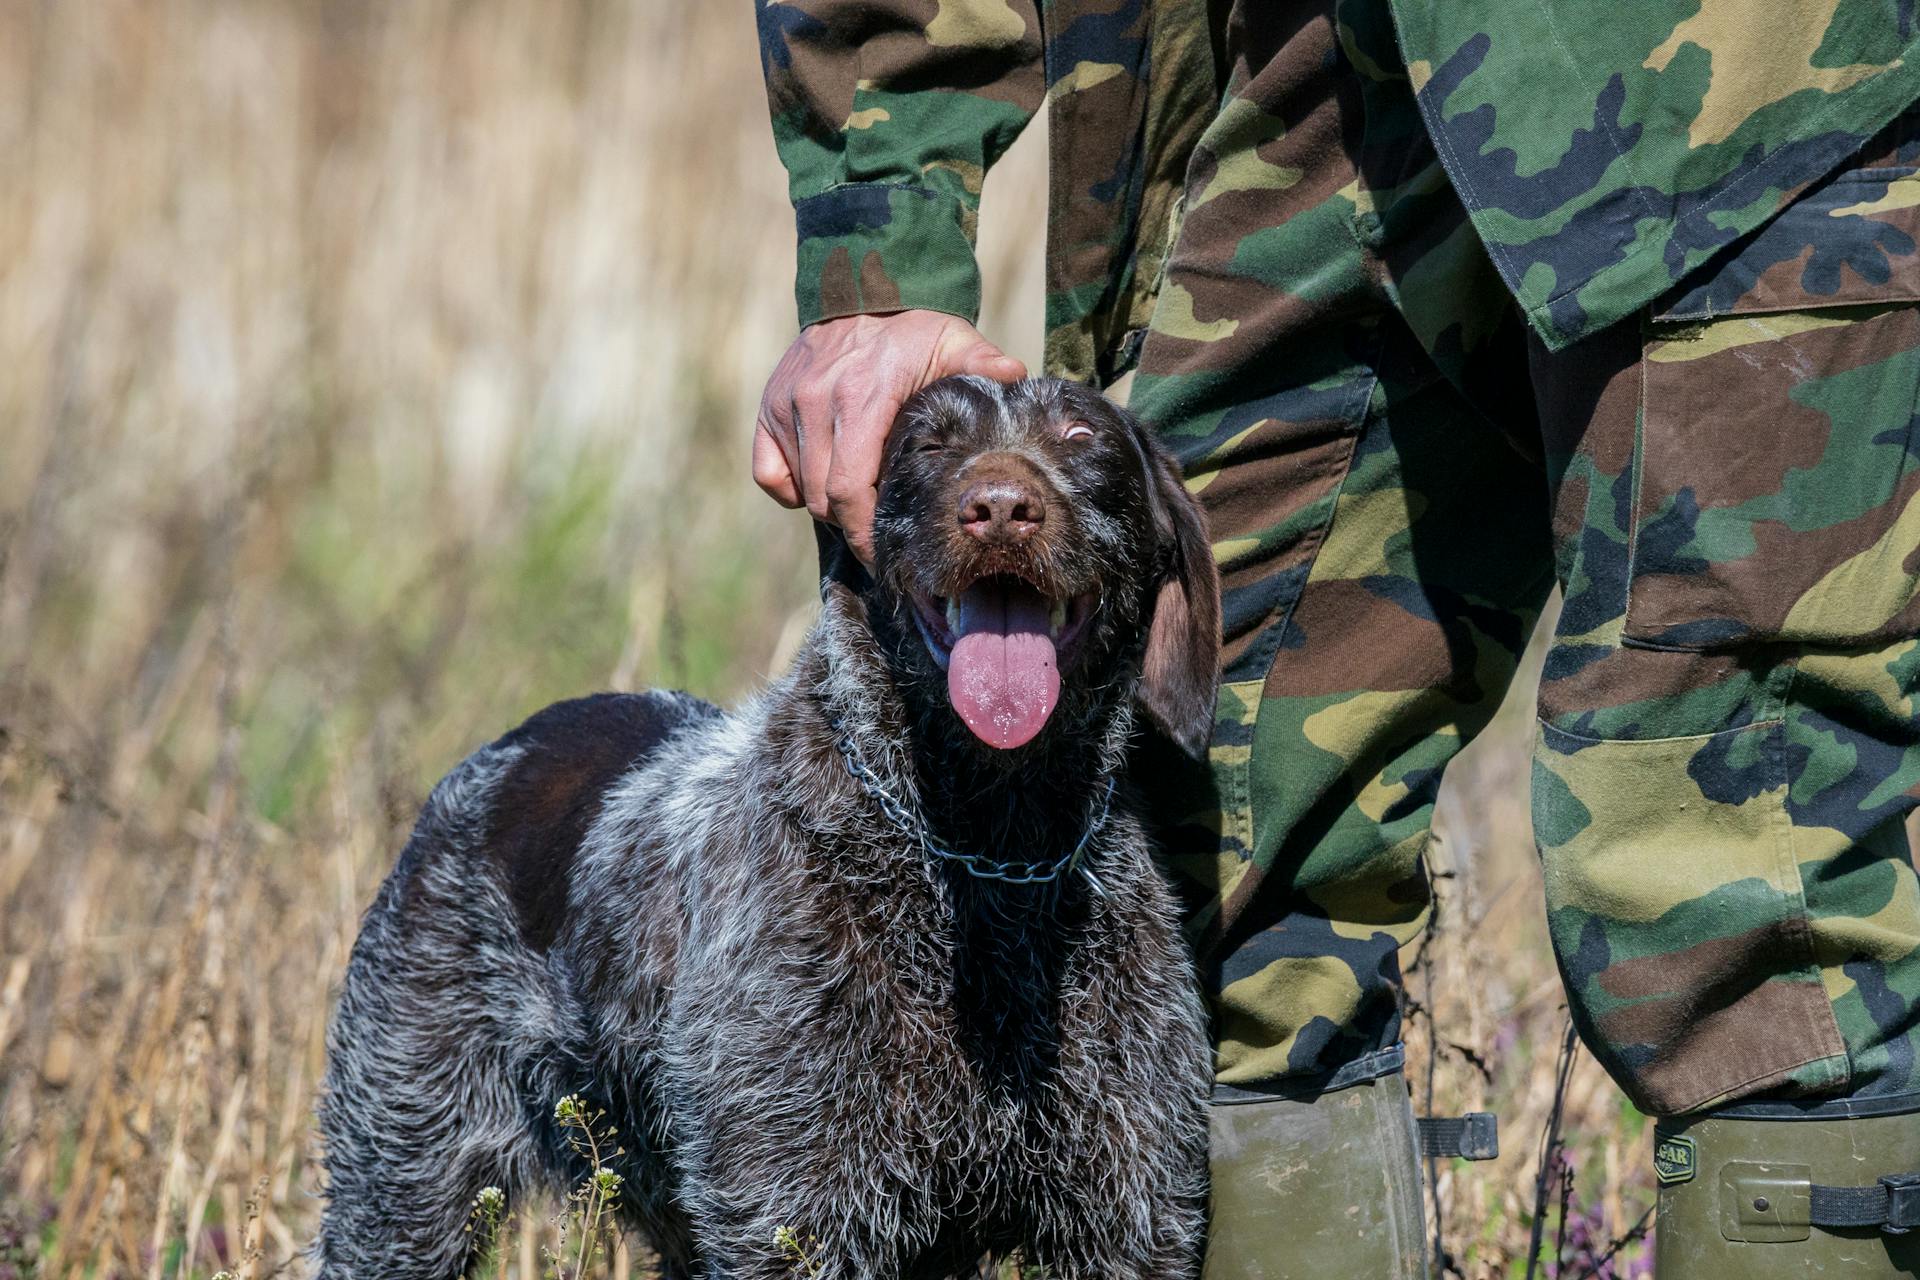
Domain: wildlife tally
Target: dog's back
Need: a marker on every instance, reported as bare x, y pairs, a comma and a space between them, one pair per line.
569, 755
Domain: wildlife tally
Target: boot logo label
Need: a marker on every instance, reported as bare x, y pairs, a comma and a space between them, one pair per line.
1673, 1160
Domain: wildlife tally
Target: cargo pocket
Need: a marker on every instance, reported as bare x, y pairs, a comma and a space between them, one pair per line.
1679, 918
1777, 487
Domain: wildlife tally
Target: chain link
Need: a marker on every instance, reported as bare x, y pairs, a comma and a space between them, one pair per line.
985, 868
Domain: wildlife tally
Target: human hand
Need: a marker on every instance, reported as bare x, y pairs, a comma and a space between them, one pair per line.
825, 414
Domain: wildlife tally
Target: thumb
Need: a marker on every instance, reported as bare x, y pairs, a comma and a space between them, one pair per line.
974, 354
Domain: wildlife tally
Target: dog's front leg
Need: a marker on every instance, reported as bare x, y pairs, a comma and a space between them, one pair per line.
1138, 1219
776, 1191
747, 1234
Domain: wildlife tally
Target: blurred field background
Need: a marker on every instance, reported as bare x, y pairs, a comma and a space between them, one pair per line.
370, 375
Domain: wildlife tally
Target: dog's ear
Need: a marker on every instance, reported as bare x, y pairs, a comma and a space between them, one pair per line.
838, 565
1183, 641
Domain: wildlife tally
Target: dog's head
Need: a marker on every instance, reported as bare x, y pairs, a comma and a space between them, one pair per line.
1037, 559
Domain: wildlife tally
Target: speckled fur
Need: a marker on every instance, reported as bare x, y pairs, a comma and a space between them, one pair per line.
792, 1015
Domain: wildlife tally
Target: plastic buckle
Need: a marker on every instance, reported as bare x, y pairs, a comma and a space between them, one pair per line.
1480, 1139
1903, 1203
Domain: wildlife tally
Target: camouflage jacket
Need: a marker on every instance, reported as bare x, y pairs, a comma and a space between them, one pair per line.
1604, 148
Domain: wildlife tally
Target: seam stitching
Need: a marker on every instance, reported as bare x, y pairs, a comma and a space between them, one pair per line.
1620, 152
1752, 727
1635, 472
1711, 1103
912, 188
1829, 1025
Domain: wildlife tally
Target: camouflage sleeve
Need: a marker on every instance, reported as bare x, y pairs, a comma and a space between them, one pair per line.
887, 114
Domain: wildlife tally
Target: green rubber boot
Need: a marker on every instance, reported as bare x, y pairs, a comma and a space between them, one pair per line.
1766, 1191
1323, 1188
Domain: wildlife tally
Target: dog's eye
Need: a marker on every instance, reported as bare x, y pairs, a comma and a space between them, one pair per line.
929, 446
1077, 431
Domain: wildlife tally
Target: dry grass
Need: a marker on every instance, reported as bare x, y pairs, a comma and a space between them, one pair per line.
373, 375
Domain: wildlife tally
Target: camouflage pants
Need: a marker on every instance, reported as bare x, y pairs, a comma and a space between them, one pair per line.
1728, 494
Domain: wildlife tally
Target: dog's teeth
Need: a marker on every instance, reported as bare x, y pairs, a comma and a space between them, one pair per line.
1058, 618
953, 615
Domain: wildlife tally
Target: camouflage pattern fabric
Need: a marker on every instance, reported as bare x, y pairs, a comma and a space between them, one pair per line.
1730, 737
1397, 471
888, 113
1375, 601
1606, 150
884, 158
1603, 150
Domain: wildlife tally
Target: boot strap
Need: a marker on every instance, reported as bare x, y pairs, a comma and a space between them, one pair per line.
1893, 1204
1474, 1136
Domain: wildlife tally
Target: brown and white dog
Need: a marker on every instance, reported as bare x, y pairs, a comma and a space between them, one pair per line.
881, 961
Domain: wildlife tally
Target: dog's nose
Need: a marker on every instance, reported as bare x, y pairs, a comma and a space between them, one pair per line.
1002, 510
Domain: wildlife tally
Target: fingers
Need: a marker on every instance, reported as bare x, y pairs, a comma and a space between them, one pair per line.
776, 456
824, 419
770, 469
813, 426
989, 361
779, 461
860, 437
963, 350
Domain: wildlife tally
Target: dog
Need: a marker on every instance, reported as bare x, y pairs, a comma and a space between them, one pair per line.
869, 979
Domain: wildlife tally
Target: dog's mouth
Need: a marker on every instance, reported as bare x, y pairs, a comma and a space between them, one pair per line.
1002, 643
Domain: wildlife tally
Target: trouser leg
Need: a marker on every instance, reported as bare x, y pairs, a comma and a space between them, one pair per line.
1375, 600
1730, 737
1399, 644
1376, 604
1729, 887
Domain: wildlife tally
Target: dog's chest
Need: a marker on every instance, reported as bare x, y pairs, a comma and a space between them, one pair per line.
1006, 1040
998, 995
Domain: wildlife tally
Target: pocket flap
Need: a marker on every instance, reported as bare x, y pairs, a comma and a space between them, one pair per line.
1855, 240
1777, 490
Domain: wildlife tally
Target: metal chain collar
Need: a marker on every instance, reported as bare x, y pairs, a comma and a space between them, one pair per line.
977, 865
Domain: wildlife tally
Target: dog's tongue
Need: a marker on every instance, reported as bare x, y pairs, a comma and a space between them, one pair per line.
1002, 677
